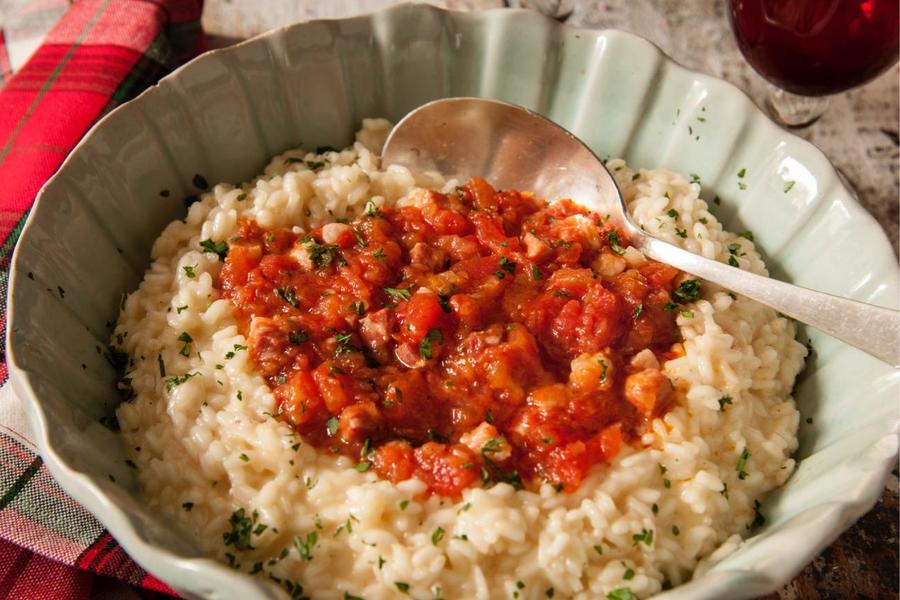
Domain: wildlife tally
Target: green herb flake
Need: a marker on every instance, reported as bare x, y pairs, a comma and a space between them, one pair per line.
180, 309
672, 213
305, 546
161, 364
725, 400
434, 335
244, 457
789, 185
703, 220
332, 425
536, 273
748, 235
598, 549
379, 254
363, 466
742, 463
695, 178
298, 336
218, 248
613, 238
638, 310
675, 530
687, 291
733, 261
402, 586
621, 594
176, 380
404, 504
288, 295
629, 575
644, 537
550, 592
189, 271
742, 173
399, 293
241, 528
437, 536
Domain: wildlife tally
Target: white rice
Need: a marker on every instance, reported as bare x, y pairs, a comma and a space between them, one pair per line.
211, 446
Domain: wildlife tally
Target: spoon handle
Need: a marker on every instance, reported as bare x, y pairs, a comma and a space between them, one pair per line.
870, 328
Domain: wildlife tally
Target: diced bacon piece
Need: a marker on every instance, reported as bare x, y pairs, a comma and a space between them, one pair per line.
648, 391
486, 440
535, 248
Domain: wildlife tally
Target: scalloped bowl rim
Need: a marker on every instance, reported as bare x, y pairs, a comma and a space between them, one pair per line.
157, 560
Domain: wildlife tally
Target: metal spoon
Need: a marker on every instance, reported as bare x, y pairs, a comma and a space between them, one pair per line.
515, 148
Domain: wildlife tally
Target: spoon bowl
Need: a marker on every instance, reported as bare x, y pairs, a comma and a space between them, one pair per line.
515, 148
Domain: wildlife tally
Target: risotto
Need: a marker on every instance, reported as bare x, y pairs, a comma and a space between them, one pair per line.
266, 415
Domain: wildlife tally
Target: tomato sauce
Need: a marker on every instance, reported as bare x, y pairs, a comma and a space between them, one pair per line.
470, 338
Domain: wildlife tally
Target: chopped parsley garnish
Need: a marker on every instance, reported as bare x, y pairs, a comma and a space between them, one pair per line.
218, 248
621, 594
288, 295
358, 308
399, 293
244, 457
316, 165
687, 314
695, 178
672, 213
675, 530
491, 446
187, 339
349, 596
598, 549
644, 537
741, 173
638, 310
180, 309
629, 575
162, 365
360, 241
613, 238
464, 508
343, 344
703, 220
748, 235
687, 291
188, 506
434, 335
742, 185
788, 185
437, 536
724, 400
332, 425
176, 380
682, 233
298, 336
237, 348
560, 294
323, 255
379, 254
536, 273
305, 546
742, 462
363, 466
402, 586
189, 271
507, 265
404, 504
242, 527
733, 261
371, 209
242, 196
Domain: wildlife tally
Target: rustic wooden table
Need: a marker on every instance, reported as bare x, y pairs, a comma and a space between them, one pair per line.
859, 133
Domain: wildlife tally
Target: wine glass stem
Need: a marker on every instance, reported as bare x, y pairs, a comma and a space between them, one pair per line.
793, 110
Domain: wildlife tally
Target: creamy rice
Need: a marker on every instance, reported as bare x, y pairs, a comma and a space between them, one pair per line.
210, 445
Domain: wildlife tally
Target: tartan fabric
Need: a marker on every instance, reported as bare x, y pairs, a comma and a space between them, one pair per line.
100, 54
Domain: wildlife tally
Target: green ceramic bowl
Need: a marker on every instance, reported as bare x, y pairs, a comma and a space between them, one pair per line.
224, 114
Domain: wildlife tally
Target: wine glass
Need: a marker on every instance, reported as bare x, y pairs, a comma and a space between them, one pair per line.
810, 49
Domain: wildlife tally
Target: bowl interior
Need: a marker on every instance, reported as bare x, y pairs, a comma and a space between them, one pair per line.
223, 116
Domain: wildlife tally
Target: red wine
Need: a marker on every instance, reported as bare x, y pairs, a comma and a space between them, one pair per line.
817, 47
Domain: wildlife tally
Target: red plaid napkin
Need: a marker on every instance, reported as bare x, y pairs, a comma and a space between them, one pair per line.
100, 54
